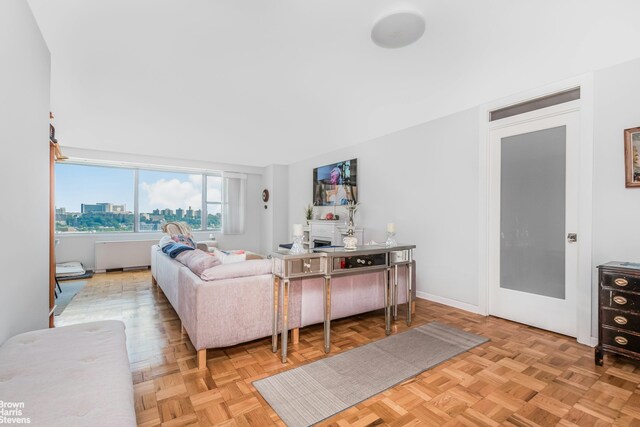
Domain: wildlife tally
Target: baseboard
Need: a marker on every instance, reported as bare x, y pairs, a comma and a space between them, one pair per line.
450, 302
138, 268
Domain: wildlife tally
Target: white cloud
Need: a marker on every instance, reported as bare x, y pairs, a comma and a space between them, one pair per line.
171, 194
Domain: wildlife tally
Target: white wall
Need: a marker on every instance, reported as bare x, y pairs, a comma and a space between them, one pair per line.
281, 230
616, 212
275, 216
24, 118
267, 211
81, 247
424, 180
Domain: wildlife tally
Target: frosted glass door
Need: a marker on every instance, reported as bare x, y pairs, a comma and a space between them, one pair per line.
533, 208
532, 212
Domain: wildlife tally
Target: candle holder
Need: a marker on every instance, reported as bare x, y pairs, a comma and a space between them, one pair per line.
297, 247
391, 241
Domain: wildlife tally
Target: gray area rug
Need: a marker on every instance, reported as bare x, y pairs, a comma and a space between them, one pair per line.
69, 291
311, 393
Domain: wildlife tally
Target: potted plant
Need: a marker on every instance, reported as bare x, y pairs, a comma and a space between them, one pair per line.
308, 213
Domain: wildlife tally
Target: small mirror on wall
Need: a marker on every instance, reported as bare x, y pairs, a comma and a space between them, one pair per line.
632, 157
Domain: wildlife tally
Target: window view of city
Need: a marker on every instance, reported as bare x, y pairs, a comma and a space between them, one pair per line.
96, 199
100, 217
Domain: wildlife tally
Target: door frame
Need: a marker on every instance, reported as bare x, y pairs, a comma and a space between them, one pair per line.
584, 290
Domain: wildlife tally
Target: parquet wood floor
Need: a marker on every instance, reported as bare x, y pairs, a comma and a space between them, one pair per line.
522, 377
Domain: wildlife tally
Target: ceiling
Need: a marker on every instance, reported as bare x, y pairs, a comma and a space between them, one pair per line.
258, 82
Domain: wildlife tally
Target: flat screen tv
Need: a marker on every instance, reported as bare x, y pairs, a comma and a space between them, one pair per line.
336, 184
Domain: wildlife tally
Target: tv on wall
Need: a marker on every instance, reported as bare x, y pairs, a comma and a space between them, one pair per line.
335, 184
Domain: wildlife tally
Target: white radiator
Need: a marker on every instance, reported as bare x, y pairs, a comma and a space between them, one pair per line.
123, 254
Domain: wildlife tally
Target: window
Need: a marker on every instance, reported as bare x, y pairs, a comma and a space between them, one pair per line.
535, 104
169, 196
100, 199
93, 199
214, 202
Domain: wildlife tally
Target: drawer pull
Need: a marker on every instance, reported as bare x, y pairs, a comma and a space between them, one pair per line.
620, 320
621, 282
619, 300
621, 340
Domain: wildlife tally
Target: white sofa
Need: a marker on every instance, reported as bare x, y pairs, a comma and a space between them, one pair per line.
69, 376
223, 312
229, 311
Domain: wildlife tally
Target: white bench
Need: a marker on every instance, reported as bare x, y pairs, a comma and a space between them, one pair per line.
69, 376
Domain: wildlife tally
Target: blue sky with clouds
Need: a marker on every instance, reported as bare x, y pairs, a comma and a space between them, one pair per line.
77, 184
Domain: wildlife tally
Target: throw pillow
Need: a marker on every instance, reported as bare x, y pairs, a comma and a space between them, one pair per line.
198, 261
184, 239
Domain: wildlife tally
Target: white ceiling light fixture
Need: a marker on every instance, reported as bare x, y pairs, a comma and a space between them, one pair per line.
398, 29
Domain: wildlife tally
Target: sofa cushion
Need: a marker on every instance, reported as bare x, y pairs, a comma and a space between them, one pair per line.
198, 261
70, 376
255, 267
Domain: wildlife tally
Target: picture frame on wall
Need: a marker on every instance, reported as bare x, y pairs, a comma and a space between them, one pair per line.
632, 157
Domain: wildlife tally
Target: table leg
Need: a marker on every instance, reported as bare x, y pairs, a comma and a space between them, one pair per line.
409, 287
395, 292
387, 302
274, 331
285, 318
327, 314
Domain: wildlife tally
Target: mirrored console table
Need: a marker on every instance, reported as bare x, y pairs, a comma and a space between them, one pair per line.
332, 262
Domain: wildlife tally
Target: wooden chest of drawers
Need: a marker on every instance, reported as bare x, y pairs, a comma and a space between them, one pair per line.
619, 310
